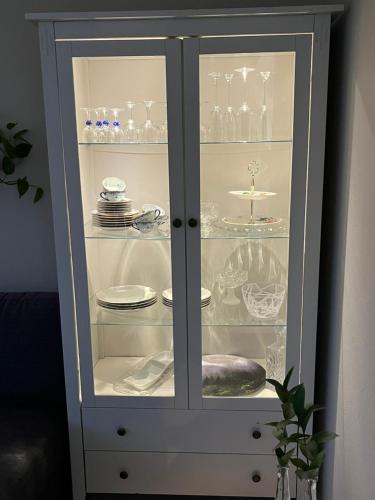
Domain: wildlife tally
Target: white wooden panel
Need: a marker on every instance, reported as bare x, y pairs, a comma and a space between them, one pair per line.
178, 430
180, 474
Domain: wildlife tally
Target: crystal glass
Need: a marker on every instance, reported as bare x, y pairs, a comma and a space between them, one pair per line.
88, 131
116, 134
106, 124
264, 116
149, 131
163, 127
230, 122
204, 135
130, 129
209, 214
263, 303
216, 125
246, 117
282, 488
309, 487
232, 279
99, 130
276, 357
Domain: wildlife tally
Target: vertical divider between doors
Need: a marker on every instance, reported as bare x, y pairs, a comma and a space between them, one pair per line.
192, 193
177, 210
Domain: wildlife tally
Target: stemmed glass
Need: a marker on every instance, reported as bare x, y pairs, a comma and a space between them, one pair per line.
163, 128
131, 131
230, 124
106, 124
99, 131
216, 128
149, 132
88, 132
245, 113
264, 126
116, 134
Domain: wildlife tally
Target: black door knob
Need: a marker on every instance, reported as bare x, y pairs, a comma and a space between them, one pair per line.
257, 434
124, 474
256, 478
193, 222
121, 431
177, 222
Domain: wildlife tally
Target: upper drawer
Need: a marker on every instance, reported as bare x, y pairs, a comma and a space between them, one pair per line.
201, 431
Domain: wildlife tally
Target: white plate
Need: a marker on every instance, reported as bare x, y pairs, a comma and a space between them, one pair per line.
126, 294
113, 184
131, 213
252, 195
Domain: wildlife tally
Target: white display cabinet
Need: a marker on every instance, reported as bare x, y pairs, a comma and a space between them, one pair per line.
186, 158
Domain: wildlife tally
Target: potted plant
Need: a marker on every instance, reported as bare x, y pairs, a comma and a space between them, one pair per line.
304, 450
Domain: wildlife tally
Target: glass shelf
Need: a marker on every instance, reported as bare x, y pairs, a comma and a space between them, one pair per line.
135, 144
96, 233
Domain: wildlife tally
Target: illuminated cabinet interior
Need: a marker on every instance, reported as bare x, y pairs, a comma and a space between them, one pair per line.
186, 156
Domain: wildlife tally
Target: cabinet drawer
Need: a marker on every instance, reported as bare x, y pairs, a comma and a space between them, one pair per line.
180, 474
201, 431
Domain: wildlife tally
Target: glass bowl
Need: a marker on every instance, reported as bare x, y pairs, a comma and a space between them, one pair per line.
264, 302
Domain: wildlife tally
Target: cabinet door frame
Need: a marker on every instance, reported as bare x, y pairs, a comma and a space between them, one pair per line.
193, 48
171, 50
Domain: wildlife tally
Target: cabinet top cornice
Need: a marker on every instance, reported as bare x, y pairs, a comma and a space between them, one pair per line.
191, 13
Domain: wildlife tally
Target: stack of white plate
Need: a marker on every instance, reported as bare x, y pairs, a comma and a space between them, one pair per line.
126, 297
112, 207
114, 219
168, 297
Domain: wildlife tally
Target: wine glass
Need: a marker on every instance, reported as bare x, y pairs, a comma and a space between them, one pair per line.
216, 128
230, 124
245, 113
264, 125
130, 131
99, 131
149, 132
106, 124
88, 132
116, 134
163, 127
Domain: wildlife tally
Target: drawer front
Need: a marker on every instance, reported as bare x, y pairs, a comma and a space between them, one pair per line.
180, 474
200, 431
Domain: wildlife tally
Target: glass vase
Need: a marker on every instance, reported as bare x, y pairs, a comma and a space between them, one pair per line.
309, 487
282, 489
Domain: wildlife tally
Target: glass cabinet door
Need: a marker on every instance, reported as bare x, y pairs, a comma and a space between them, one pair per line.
121, 109
249, 217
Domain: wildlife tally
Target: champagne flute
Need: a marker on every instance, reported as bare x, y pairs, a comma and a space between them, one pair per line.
245, 113
88, 132
264, 125
149, 132
99, 132
230, 124
131, 131
216, 128
116, 134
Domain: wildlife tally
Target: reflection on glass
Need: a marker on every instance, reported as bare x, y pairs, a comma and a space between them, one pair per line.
244, 248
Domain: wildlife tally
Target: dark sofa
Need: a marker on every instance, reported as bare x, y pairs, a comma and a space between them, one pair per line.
34, 460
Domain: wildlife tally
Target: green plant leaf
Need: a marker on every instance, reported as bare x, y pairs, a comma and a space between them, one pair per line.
300, 464
317, 461
307, 474
22, 150
11, 125
309, 449
309, 410
323, 436
38, 194
18, 135
287, 378
288, 410
299, 404
8, 166
295, 438
283, 395
9, 149
22, 186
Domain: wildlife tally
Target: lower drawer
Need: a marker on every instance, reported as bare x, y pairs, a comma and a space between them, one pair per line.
180, 431
180, 474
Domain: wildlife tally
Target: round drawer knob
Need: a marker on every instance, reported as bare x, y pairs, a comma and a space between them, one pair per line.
177, 222
256, 478
121, 431
124, 474
193, 222
257, 434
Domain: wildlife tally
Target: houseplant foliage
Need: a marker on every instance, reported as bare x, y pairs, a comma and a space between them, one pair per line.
295, 445
14, 148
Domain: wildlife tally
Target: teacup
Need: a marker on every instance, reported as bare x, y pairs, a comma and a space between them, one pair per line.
146, 226
113, 195
147, 207
150, 216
